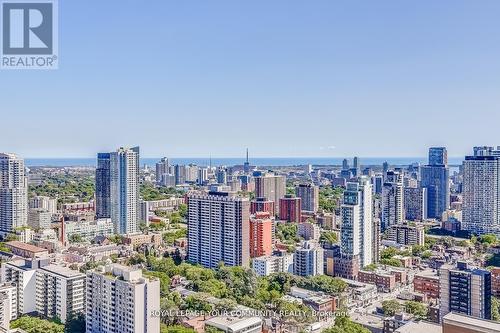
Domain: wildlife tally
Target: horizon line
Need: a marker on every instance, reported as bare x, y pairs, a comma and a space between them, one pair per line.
240, 157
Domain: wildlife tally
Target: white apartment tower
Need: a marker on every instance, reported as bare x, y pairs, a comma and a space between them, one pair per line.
124, 173
356, 232
60, 292
13, 193
120, 299
218, 229
22, 274
308, 259
393, 209
481, 191
8, 306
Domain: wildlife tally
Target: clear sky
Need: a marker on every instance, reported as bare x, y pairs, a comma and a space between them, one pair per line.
282, 77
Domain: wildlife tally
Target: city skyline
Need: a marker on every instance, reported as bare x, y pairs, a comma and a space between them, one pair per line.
318, 73
249, 166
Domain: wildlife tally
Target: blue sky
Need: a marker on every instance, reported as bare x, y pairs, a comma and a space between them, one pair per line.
284, 78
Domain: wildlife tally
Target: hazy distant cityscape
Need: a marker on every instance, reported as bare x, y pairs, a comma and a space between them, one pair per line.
258, 161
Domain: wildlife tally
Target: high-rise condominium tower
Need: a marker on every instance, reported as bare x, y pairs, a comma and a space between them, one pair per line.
481, 191
356, 232
124, 173
218, 229
436, 180
162, 168
103, 186
415, 199
270, 186
392, 200
13, 193
309, 196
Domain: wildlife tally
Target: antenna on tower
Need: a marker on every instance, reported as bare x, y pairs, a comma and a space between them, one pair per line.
247, 155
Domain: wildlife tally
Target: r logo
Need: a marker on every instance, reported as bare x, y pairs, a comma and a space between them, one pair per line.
27, 28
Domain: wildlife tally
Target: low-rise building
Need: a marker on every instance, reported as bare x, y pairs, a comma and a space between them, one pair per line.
401, 275
80, 254
384, 281
88, 230
140, 239
418, 327
317, 301
391, 324
451, 225
236, 324
427, 283
88, 206
26, 250
267, 265
165, 204
360, 294
406, 261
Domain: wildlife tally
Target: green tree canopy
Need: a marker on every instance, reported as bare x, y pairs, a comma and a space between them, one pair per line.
391, 307
37, 325
419, 310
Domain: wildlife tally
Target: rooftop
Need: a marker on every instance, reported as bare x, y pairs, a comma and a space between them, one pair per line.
62, 271
234, 324
471, 323
428, 274
25, 246
418, 327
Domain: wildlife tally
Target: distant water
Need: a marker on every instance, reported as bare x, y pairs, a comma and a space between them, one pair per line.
258, 161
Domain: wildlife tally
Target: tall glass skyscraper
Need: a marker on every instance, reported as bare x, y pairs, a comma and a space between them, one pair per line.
438, 156
393, 211
124, 184
103, 186
435, 178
